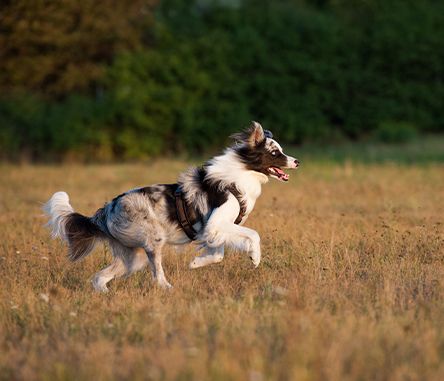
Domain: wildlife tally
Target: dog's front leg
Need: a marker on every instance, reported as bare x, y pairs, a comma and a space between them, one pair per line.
240, 238
211, 255
221, 230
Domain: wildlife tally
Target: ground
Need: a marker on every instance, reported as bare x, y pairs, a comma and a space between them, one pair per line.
351, 284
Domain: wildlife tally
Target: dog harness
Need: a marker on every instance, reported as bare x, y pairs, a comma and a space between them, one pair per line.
188, 216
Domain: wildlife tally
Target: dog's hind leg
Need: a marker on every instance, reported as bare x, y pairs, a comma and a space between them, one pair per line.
154, 254
116, 269
136, 262
211, 255
126, 261
136, 225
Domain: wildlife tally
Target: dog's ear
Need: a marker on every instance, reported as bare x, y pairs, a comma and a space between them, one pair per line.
257, 134
253, 135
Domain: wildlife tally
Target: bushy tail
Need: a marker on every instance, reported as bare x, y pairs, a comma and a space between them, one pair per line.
78, 231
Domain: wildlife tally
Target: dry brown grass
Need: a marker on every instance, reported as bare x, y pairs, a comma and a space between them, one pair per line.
351, 284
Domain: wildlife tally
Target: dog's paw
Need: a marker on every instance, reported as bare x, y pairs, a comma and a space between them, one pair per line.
196, 263
99, 286
256, 259
165, 285
205, 261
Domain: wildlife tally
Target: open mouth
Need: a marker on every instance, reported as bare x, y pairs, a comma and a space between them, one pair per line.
278, 173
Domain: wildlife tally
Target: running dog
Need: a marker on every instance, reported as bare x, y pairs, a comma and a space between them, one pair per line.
208, 204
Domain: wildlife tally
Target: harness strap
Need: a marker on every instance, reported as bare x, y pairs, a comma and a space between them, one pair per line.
187, 216
182, 215
242, 204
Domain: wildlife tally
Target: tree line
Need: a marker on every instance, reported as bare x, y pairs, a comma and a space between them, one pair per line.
138, 78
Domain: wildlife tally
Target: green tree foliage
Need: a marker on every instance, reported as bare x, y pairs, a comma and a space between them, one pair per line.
309, 70
57, 47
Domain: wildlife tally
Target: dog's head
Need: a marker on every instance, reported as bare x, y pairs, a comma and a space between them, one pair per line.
261, 153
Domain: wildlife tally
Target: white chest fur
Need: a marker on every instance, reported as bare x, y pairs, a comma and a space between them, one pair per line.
230, 170
251, 187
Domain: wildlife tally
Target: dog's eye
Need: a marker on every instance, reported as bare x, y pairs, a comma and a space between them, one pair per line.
274, 153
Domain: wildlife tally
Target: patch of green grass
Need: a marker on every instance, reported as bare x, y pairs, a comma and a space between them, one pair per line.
428, 149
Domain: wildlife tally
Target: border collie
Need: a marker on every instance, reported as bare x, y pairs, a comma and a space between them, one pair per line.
138, 223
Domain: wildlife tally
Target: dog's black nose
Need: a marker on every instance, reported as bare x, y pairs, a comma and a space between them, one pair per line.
296, 162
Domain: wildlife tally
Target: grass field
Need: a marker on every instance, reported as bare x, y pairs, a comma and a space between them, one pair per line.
351, 284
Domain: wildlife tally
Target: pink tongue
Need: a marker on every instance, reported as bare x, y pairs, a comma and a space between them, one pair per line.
280, 171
